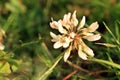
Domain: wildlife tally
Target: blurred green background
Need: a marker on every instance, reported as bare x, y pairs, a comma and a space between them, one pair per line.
28, 43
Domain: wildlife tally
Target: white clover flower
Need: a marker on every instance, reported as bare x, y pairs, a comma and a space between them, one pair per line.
71, 35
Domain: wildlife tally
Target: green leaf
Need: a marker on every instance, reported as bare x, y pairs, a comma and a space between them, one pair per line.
4, 67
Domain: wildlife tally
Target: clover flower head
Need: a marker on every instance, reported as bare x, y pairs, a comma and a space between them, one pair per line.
72, 34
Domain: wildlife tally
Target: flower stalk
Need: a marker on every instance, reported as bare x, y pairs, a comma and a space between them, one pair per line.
106, 62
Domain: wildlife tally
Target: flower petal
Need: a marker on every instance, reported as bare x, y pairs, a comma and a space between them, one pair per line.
65, 45
82, 23
53, 35
67, 53
54, 24
66, 21
61, 29
93, 27
92, 37
82, 54
66, 42
87, 50
74, 19
66, 18
57, 45
88, 34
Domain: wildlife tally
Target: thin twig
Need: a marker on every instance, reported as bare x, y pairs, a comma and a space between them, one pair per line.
69, 75
98, 72
77, 67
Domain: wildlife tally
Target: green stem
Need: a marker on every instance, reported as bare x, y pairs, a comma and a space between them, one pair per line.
27, 44
106, 62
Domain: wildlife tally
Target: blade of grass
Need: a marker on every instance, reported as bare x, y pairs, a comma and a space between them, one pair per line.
45, 75
117, 31
108, 55
111, 33
9, 21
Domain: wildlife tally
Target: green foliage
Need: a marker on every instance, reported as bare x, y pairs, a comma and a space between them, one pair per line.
4, 68
29, 54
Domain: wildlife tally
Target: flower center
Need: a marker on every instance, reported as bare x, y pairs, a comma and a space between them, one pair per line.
72, 35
